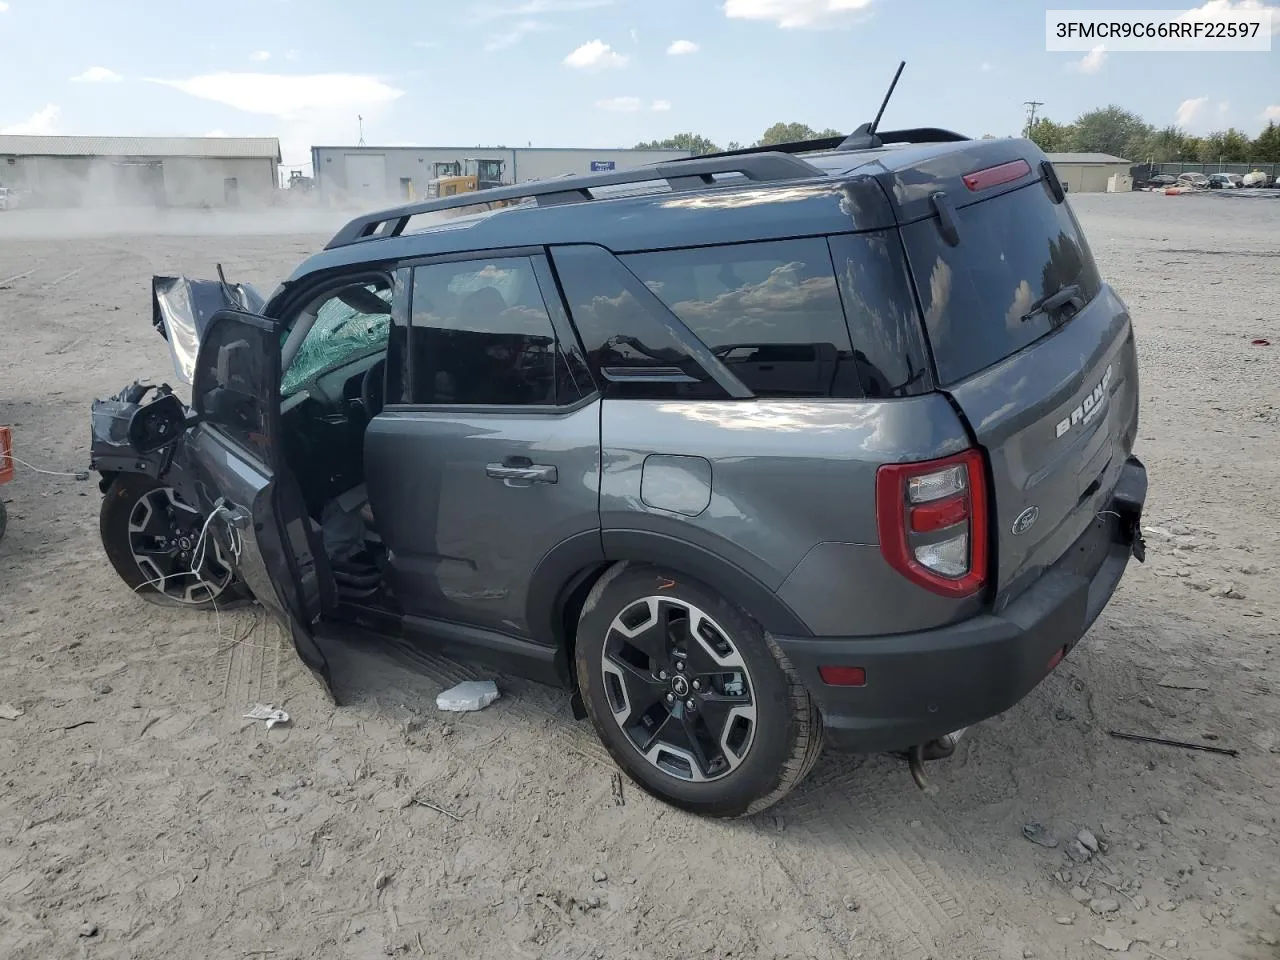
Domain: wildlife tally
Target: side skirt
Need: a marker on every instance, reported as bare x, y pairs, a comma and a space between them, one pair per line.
510, 655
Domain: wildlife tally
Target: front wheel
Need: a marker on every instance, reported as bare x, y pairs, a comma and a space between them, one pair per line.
690, 696
162, 548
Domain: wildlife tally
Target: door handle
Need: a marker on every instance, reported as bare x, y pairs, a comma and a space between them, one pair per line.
532, 473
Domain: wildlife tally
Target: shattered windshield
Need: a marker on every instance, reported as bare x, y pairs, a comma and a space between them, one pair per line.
350, 324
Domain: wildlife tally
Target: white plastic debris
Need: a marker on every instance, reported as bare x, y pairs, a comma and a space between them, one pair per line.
268, 713
468, 696
9, 712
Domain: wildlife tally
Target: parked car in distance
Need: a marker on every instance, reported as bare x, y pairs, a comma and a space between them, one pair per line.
815, 441
1193, 180
8, 198
1221, 181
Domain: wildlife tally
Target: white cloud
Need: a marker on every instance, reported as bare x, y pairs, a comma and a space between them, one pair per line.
41, 123
310, 108
98, 75
512, 36
660, 106
3, 6
987, 67
215, 133
260, 56
594, 55
287, 96
1271, 113
533, 8
792, 14
1217, 9
293, 55
1189, 112
682, 47
1091, 62
635, 36
621, 104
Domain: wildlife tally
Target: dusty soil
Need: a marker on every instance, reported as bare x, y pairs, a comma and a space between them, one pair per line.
141, 816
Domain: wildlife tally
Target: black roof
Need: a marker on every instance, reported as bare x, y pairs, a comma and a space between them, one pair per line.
755, 195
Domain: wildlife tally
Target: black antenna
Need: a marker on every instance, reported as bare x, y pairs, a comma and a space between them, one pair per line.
864, 138
875, 124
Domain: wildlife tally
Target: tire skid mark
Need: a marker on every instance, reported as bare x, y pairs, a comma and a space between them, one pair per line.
878, 839
247, 662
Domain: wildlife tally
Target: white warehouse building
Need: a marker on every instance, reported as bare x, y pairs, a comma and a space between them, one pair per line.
140, 171
1088, 172
378, 175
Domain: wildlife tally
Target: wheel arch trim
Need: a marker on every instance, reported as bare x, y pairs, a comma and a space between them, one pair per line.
571, 567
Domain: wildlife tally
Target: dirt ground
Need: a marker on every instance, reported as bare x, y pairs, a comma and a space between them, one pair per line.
142, 817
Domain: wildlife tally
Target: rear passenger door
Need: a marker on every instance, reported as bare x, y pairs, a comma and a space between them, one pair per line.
487, 456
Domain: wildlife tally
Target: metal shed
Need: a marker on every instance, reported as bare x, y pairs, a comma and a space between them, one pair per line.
1087, 172
365, 176
140, 171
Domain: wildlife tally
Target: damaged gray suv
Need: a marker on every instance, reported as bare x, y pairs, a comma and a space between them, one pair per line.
827, 441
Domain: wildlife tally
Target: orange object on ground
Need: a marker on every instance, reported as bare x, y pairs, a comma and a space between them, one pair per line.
6, 454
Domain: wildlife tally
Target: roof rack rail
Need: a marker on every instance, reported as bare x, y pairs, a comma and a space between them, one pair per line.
827, 144
685, 174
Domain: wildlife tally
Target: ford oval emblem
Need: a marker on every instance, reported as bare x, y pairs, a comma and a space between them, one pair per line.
1026, 520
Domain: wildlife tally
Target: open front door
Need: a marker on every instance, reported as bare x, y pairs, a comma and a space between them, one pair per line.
235, 453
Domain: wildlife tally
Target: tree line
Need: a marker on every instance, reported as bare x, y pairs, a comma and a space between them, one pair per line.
1123, 133
697, 144
1112, 130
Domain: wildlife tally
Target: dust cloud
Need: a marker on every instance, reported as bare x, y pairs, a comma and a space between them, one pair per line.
57, 197
168, 221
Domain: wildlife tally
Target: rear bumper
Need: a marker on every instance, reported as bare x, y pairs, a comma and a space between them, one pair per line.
920, 686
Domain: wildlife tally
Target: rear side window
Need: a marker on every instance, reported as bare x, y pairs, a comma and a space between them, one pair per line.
875, 285
635, 348
980, 298
770, 312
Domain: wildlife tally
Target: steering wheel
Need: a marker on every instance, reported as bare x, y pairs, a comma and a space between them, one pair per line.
373, 389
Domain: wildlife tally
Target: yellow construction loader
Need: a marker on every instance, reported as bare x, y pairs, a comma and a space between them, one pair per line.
467, 176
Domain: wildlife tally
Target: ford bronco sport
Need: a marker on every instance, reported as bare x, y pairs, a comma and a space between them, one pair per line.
827, 440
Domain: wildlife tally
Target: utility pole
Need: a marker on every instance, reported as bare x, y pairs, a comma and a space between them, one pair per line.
1031, 106
360, 120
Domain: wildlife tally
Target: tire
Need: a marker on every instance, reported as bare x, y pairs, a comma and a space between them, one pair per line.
756, 731
131, 498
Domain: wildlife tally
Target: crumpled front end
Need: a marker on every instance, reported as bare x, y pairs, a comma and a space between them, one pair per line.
112, 448
182, 307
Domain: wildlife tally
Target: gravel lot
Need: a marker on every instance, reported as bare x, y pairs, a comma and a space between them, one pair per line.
140, 816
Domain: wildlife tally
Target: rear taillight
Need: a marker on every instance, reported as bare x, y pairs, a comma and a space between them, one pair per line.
932, 519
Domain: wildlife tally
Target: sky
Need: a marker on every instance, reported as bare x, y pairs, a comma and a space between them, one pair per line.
584, 73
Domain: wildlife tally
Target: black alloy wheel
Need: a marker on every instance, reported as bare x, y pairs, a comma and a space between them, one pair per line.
678, 688
690, 696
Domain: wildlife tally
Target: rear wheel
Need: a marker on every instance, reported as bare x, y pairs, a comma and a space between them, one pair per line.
161, 546
690, 696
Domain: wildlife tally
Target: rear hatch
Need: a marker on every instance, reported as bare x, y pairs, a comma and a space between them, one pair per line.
1032, 346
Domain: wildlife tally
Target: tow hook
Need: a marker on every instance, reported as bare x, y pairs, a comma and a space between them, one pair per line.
938, 749
1132, 526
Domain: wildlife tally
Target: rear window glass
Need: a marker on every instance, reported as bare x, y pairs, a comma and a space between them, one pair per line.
770, 312
980, 297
